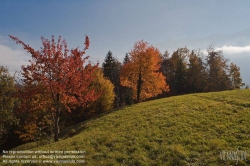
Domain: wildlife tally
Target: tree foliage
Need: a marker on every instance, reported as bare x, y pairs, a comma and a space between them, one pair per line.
174, 69
111, 69
34, 120
103, 104
191, 72
236, 80
179, 64
7, 90
126, 59
217, 68
126, 92
62, 75
196, 73
142, 74
106, 100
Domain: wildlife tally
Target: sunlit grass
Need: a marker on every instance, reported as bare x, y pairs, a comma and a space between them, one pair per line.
182, 130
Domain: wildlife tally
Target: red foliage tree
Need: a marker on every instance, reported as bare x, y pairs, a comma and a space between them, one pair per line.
60, 76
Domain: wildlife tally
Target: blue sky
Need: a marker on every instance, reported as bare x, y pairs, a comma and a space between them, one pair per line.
116, 25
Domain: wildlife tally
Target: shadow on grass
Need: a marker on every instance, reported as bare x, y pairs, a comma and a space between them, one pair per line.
78, 128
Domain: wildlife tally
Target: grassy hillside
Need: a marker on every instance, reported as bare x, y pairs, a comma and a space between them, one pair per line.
182, 130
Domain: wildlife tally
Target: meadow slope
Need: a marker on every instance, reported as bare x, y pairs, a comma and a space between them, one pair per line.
182, 130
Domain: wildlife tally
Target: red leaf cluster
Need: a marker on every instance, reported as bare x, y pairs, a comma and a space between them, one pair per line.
58, 75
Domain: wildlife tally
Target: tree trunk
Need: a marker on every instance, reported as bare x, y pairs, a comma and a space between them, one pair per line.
56, 131
139, 84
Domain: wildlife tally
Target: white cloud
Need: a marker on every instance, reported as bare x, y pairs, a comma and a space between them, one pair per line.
234, 49
13, 59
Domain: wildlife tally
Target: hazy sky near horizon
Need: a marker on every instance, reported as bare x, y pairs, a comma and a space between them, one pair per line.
116, 25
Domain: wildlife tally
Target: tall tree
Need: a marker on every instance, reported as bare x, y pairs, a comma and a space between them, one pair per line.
142, 74
106, 100
218, 77
179, 60
196, 73
235, 76
174, 69
109, 65
111, 69
62, 75
7, 90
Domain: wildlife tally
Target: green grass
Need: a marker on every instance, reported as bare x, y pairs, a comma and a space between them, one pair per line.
182, 130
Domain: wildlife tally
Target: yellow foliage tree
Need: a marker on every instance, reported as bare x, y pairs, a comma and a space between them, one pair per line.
141, 73
105, 102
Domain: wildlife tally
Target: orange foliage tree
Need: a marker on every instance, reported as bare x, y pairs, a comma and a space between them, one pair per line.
141, 73
59, 76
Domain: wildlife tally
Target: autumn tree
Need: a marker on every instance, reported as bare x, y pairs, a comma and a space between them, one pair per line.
106, 100
236, 80
7, 90
63, 76
35, 122
126, 92
142, 74
104, 103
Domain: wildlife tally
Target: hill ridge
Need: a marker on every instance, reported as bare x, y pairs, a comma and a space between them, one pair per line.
183, 130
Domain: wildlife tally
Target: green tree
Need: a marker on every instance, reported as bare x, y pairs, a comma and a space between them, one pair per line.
7, 90
126, 59
196, 74
111, 69
174, 69
217, 68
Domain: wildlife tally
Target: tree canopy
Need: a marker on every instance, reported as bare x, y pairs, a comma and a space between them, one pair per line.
60, 76
141, 72
7, 90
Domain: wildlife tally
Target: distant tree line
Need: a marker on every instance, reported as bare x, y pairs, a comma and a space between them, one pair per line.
192, 72
184, 72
